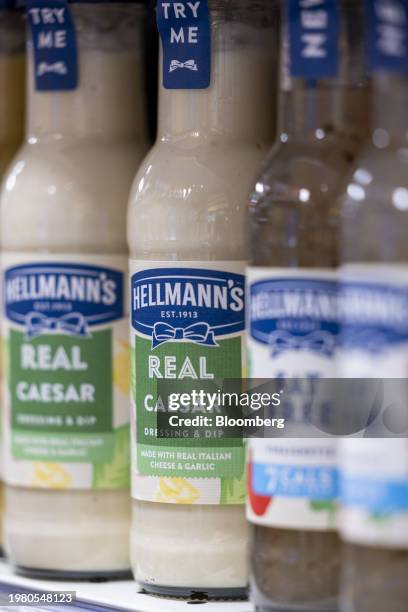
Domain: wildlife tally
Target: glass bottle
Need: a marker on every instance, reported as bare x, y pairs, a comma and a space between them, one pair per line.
12, 99
63, 219
374, 289
186, 222
292, 320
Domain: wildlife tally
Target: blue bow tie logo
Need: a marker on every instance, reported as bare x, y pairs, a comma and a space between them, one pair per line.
199, 333
73, 323
189, 64
318, 341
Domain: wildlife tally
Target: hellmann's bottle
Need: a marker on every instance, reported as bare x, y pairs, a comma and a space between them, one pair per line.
291, 313
186, 234
12, 105
63, 222
374, 338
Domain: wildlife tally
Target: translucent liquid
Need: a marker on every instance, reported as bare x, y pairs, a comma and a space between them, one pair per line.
294, 224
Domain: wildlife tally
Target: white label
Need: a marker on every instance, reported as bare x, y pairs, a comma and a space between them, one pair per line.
66, 406
292, 333
374, 472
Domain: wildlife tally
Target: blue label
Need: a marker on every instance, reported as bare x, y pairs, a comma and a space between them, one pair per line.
292, 314
317, 482
313, 38
185, 32
373, 316
376, 495
387, 40
54, 44
174, 304
57, 297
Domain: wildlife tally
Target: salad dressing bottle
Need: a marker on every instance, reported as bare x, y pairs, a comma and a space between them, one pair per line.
374, 338
292, 319
186, 234
63, 220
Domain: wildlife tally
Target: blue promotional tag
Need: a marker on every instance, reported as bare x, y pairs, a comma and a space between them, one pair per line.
185, 32
54, 43
313, 28
387, 40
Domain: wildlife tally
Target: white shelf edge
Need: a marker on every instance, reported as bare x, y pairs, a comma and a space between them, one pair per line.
121, 595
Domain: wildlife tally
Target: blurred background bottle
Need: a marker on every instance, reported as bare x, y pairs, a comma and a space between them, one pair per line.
374, 338
323, 121
12, 102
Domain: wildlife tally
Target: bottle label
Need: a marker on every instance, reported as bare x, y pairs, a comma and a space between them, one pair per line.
387, 40
185, 32
313, 29
374, 491
54, 45
187, 323
66, 421
293, 332
374, 342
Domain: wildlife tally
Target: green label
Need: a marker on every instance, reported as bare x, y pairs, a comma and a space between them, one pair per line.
187, 326
61, 397
183, 361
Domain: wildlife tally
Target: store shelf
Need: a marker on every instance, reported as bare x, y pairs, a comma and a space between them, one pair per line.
110, 595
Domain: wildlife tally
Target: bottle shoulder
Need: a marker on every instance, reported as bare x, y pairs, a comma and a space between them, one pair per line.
295, 171
374, 211
192, 199
211, 167
56, 193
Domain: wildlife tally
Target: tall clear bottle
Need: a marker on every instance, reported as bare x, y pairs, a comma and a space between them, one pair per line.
292, 319
12, 103
63, 220
374, 290
186, 233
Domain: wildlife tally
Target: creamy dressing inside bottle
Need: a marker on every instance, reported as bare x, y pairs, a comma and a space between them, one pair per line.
187, 209
64, 199
12, 83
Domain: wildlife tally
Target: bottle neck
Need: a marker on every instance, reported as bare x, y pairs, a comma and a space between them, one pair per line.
108, 103
390, 109
316, 109
242, 73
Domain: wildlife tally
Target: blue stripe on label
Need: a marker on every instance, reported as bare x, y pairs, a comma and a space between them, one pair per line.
374, 495
185, 32
319, 483
54, 44
387, 39
313, 38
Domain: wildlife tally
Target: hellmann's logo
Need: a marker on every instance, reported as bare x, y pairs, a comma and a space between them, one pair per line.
295, 314
373, 316
60, 297
183, 304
